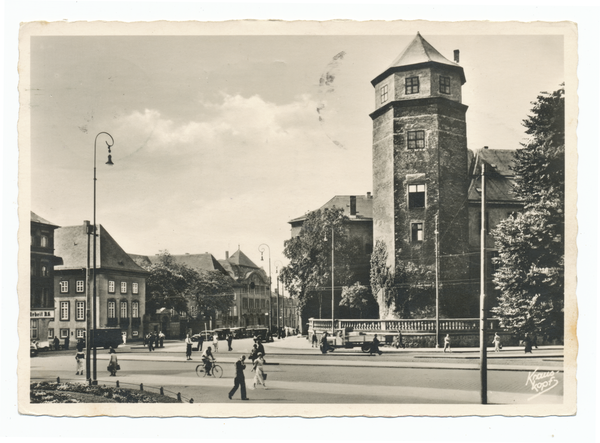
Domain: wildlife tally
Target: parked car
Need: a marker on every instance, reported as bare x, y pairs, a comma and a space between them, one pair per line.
33, 350
238, 332
206, 334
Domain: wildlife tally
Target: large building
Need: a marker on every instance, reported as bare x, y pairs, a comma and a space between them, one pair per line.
427, 192
120, 285
42, 278
251, 301
427, 182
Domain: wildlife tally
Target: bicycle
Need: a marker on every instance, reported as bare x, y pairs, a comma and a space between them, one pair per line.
217, 371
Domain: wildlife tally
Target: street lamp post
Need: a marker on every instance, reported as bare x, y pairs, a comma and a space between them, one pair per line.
332, 285
261, 249
278, 264
91, 337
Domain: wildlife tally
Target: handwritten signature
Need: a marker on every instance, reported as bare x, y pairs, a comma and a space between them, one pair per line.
541, 382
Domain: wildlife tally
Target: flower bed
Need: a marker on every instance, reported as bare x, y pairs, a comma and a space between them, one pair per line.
52, 392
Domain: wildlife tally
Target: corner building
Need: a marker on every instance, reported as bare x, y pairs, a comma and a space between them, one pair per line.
420, 162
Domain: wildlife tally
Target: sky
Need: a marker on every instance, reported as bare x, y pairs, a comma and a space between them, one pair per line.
219, 141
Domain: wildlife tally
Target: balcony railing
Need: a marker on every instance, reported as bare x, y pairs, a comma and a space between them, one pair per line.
408, 326
112, 322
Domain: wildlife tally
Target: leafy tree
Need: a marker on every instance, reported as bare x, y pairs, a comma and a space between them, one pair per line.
407, 292
359, 297
309, 253
211, 291
167, 285
176, 286
530, 273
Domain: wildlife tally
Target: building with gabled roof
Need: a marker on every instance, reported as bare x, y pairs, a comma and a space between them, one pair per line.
120, 284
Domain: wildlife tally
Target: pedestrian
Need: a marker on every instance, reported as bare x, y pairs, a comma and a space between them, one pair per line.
375, 346
315, 340
324, 344
447, 343
150, 340
496, 342
400, 340
528, 343
200, 342
124, 337
253, 352
56, 342
259, 373
229, 340
67, 343
113, 364
156, 340
216, 342
259, 347
79, 358
188, 347
161, 339
239, 380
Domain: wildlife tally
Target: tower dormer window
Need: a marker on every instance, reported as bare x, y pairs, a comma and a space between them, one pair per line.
416, 139
384, 93
444, 85
412, 85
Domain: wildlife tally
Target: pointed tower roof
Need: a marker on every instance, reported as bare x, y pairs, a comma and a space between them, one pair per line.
418, 52
240, 259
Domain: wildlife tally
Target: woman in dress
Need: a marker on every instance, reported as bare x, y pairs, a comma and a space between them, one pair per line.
259, 376
113, 364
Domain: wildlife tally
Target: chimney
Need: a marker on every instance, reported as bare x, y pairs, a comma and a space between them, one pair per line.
456, 55
226, 255
369, 195
485, 147
353, 205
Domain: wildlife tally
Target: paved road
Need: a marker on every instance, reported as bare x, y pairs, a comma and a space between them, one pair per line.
299, 374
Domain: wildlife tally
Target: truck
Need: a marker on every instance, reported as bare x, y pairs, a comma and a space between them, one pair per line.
108, 337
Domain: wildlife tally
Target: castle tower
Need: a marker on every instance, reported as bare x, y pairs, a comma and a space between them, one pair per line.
420, 157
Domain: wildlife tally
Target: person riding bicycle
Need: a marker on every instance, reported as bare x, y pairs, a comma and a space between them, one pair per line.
207, 356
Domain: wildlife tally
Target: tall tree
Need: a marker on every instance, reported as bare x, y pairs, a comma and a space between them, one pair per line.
359, 298
176, 286
309, 253
211, 291
530, 273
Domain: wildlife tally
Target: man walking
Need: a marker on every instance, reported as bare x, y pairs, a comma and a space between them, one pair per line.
229, 340
239, 380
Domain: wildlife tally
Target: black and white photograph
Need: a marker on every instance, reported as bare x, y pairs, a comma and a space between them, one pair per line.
311, 219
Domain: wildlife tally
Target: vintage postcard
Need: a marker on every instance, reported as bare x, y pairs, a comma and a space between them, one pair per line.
300, 219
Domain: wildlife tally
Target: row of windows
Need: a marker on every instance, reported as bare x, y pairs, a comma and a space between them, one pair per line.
250, 303
40, 240
65, 310
112, 309
80, 287
412, 86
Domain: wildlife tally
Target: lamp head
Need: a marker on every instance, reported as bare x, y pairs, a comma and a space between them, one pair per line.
109, 162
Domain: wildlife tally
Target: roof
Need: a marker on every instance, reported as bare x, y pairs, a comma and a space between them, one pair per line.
240, 267
418, 51
71, 246
203, 262
37, 219
241, 259
500, 178
364, 207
